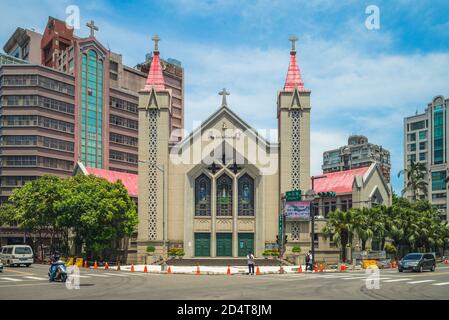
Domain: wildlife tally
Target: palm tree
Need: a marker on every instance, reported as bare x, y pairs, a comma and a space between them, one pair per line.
414, 175
339, 227
363, 225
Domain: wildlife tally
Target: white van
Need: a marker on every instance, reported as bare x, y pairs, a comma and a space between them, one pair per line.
15, 255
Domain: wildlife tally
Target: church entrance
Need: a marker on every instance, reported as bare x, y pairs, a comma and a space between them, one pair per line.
224, 244
202, 244
246, 243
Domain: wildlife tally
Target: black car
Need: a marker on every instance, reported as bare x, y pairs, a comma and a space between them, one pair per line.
417, 262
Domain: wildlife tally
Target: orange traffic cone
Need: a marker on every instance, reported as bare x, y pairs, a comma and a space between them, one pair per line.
229, 270
445, 261
145, 270
85, 263
106, 266
198, 272
300, 269
315, 269
95, 265
321, 267
169, 269
258, 273
132, 267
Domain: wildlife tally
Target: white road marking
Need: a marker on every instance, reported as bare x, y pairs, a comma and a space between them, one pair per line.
97, 275
397, 280
35, 278
420, 281
440, 284
83, 276
116, 274
10, 279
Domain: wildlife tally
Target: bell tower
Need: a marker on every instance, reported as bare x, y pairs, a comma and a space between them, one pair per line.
293, 112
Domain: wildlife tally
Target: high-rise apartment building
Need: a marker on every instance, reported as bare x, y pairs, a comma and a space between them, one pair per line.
65, 99
426, 141
357, 154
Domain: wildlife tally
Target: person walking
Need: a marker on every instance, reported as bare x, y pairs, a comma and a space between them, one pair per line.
250, 259
307, 260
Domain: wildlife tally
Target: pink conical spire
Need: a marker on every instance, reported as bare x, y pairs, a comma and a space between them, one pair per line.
155, 77
294, 79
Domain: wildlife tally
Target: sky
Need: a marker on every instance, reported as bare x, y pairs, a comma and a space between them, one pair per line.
363, 80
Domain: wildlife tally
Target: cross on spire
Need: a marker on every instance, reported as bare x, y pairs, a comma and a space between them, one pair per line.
224, 93
156, 40
293, 40
91, 25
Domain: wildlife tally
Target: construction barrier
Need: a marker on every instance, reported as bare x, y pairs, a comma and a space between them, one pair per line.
79, 262
69, 262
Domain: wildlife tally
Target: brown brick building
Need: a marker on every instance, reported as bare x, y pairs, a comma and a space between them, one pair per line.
65, 99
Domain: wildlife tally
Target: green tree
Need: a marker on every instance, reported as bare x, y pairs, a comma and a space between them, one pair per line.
363, 225
414, 174
99, 213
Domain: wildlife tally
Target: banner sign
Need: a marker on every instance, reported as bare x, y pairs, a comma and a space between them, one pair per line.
297, 210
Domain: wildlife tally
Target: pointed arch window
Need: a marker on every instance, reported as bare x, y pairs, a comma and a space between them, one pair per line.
224, 196
202, 196
246, 196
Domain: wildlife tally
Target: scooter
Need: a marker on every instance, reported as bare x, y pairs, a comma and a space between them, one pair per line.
57, 271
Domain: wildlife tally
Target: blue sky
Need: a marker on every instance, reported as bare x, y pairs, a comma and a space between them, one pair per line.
362, 81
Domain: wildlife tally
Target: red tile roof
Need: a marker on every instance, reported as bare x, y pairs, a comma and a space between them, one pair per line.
129, 180
155, 77
294, 79
339, 182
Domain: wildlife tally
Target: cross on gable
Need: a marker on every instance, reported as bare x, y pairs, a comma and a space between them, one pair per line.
224, 93
293, 40
91, 25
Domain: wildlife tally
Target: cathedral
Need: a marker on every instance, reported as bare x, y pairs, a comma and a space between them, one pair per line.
217, 192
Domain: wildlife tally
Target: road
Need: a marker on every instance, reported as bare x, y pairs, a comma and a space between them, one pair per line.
32, 283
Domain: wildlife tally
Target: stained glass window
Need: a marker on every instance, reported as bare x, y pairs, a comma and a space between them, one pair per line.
202, 196
224, 196
246, 196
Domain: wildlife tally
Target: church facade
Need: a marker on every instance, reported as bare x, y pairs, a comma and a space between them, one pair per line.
217, 193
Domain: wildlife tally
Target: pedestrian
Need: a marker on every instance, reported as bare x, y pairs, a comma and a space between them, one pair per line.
307, 260
250, 258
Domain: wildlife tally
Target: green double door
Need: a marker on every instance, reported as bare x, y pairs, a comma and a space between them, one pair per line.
224, 244
202, 244
246, 243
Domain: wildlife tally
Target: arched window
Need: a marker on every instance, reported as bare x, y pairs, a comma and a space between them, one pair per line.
246, 196
202, 196
224, 196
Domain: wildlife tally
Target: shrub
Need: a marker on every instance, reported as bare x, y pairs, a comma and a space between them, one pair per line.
390, 248
296, 249
151, 249
176, 252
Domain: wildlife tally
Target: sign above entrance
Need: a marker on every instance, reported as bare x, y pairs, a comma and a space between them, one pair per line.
297, 210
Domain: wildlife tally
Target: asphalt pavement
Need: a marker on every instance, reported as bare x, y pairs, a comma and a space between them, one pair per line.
32, 283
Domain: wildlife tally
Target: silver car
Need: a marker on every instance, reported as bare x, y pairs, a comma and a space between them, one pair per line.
1, 266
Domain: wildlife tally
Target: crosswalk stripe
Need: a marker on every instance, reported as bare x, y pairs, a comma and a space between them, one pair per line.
397, 280
116, 274
10, 279
440, 284
35, 278
83, 276
97, 275
420, 281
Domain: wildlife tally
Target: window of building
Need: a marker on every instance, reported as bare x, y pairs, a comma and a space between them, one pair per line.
224, 196
438, 135
438, 180
437, 196
423, 135
202, 196
422, 156
246, 196
412, 147
418, 125
422, 145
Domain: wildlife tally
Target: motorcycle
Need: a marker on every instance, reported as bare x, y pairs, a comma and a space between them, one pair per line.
57, 271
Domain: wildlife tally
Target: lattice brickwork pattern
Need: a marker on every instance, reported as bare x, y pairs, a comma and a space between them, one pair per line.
295, 115
296, 230
152, 175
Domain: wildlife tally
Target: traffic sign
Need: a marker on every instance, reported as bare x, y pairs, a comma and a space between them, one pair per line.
293, 196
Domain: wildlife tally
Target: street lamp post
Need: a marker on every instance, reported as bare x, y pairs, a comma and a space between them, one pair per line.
311, 194
164, 206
